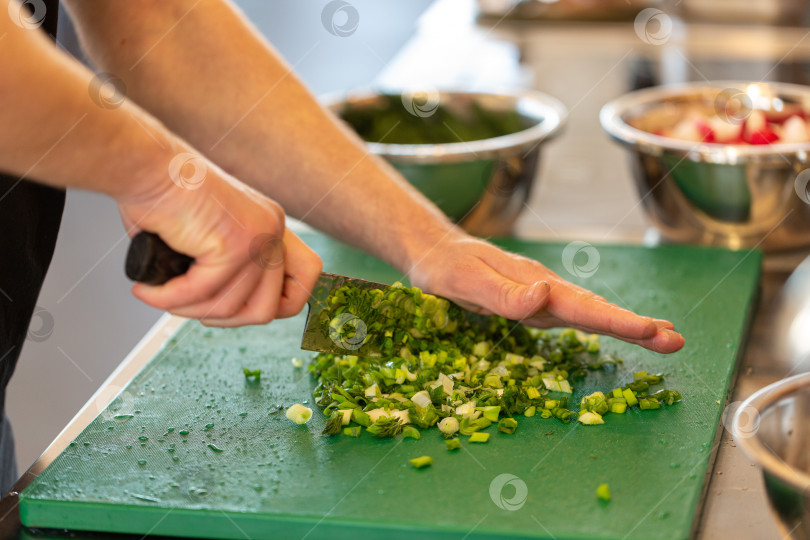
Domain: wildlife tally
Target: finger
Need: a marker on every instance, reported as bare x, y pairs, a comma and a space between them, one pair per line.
665, 340
229, 301
302, 267
261, 305
576, 308
200, 283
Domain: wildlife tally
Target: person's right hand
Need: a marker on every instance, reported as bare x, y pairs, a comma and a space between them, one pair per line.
249, 269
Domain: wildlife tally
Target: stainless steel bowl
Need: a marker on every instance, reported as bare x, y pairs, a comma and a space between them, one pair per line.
719, 194
481, 184
772, 428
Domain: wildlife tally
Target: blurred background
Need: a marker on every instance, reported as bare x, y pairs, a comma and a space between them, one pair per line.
582, 52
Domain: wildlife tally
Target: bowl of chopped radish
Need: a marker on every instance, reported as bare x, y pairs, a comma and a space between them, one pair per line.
720, 163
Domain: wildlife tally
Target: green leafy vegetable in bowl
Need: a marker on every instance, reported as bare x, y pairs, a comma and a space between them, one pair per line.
390, 122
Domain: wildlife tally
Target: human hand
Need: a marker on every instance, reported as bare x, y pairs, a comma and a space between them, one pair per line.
486, 279
249, 269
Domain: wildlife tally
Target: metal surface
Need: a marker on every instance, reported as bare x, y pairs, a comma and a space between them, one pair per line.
773, 430
321, 337
728, 195
672, 445
483, 184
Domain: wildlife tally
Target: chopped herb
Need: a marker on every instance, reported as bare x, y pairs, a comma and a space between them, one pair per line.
410, 432
453, 444
443, 367
479, 437
252, 375
334, 424
603, 492
385, 426
353, 431
507, 425
422, 461
299, 414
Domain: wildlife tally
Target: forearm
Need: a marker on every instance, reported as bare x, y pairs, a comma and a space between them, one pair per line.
216, 82
52, 131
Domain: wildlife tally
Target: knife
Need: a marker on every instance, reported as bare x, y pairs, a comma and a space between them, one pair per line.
150, 260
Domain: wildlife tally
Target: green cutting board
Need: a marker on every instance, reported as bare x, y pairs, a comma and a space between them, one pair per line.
245, 471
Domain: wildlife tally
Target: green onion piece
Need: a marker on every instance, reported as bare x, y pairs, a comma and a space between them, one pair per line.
296, 362
359, 417
449, 426
334, 424
353, 431
299, 414
479, 437
590, 418
530, 411
410, 432
453, 444
491, 413
422, 461
545, 413
648, 403
603, 492
252, 375
630, 397
507, 425
385, 426
619, 408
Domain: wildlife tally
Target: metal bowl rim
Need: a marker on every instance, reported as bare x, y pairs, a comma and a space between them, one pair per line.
612, 121
754, 449
553, 113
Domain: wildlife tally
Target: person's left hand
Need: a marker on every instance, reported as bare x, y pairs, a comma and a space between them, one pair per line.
486, 279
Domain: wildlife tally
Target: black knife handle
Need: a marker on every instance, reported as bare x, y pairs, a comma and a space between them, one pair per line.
150, 260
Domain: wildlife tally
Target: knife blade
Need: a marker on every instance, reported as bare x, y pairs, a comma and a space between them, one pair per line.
329, 336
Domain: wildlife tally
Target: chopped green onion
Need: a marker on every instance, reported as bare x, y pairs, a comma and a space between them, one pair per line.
334, 424
252, 375
434, 366
590, 418
453, 444
296, 362
491, 413
353, 431
449, 426
299, 414
385, 426
507, 425
630, 397
359, 417
618, 408
648, 403
410, 432
479, 437
422, 461
603, 492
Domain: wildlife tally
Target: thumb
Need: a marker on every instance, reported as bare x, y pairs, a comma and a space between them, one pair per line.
517, 301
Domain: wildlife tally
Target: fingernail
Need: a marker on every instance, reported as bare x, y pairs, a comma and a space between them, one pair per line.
662, 323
